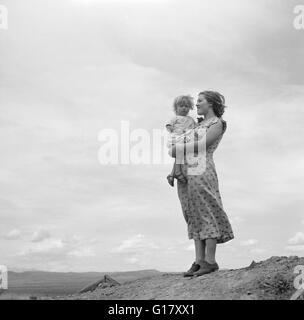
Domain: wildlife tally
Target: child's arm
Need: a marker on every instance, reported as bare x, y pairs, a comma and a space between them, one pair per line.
192, 123
170, 124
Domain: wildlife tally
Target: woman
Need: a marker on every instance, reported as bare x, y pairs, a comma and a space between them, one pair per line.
200, 198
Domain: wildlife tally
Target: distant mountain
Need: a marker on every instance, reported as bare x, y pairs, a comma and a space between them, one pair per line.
61, 283
18, 269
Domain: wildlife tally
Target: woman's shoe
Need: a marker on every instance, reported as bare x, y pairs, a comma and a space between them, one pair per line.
205, 268
194, 267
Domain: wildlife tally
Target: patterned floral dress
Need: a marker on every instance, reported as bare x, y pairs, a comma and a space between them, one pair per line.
200, 197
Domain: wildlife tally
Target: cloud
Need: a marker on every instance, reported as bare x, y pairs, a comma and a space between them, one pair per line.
13, 234
137, 249
249, 242
48, 247
297, 239
236, 219
82, 253
136, 243
133, 260
190, 247
57, 249
40, 235
296, 243
258, 250
299, 248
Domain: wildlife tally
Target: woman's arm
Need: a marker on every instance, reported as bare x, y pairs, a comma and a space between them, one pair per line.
211, 136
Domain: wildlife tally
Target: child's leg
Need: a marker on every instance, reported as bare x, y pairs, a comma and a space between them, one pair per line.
178, 169
170, 177
173, 168
179, 160
179, 173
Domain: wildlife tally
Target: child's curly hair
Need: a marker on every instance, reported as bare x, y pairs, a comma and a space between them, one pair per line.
181, 100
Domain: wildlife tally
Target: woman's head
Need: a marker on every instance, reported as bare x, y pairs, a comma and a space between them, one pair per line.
213, 100
183, 104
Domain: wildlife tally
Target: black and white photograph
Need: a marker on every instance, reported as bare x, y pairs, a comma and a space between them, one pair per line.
151, 150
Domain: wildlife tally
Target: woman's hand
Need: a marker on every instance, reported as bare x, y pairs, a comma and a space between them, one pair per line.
207, 140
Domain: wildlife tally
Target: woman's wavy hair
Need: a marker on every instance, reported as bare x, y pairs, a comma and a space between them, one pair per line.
181, 100
216, 100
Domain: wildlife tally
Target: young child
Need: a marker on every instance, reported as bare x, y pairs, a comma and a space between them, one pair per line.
178, 127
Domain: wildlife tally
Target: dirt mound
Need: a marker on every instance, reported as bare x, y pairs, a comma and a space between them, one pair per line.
270, 279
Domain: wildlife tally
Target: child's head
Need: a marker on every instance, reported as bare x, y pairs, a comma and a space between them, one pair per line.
182, 105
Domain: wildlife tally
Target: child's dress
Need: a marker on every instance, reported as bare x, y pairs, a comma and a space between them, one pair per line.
180, 126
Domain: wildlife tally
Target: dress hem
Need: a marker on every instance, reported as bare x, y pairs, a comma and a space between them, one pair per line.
219, 240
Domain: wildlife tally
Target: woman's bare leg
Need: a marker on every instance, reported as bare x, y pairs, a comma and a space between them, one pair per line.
210, 250
200, 247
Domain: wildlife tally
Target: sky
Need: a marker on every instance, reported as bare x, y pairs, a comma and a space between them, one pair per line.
70, 69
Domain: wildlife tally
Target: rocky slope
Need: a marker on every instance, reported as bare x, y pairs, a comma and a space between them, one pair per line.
270, 279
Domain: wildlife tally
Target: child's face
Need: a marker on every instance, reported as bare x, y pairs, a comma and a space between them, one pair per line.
182, 110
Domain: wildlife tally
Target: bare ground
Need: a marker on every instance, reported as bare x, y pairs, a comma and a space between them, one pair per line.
272, 279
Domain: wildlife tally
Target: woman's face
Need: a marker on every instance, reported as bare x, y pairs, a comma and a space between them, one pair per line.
202, 105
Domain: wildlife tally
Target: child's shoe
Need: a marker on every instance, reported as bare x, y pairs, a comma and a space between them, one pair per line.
170, 178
